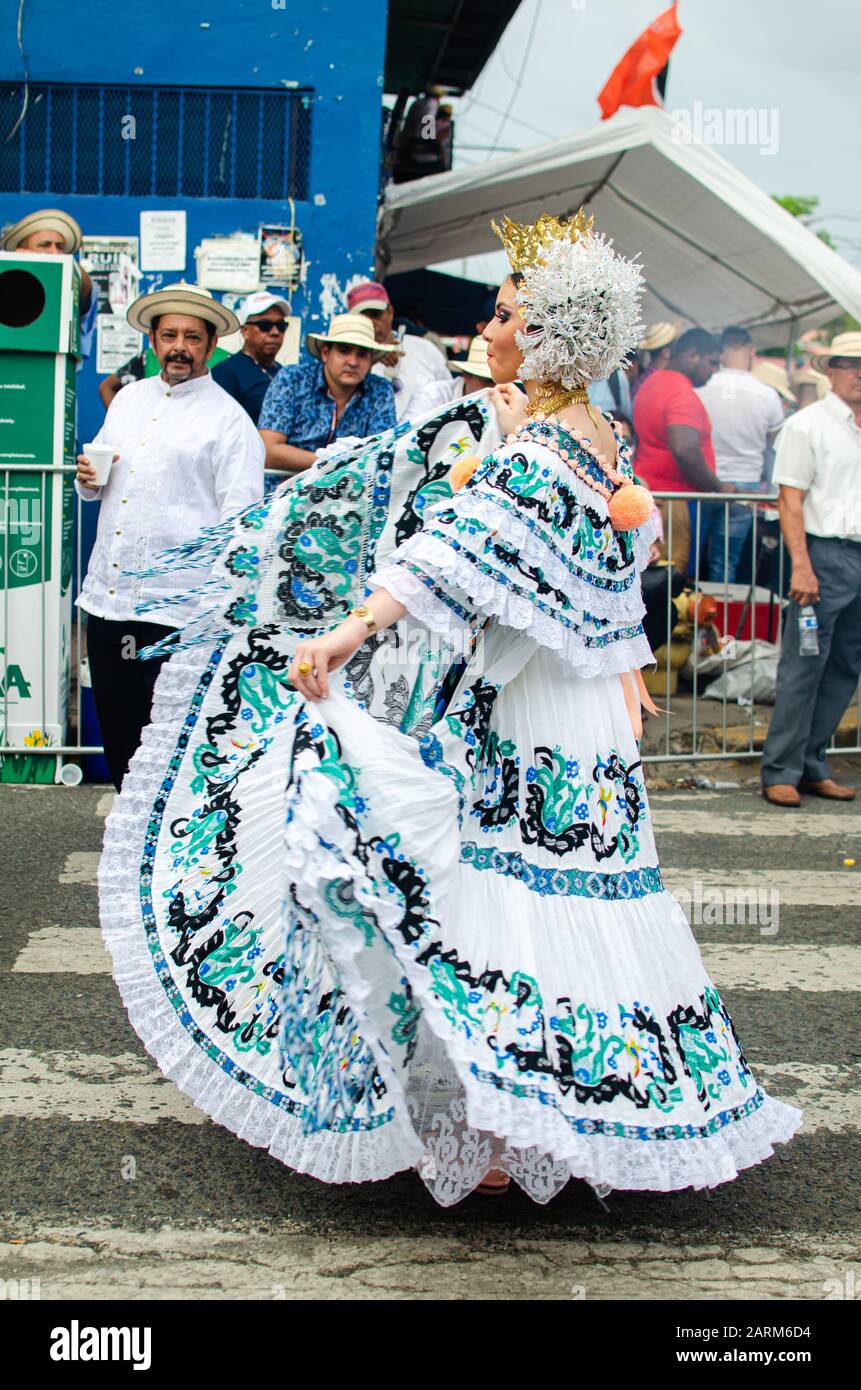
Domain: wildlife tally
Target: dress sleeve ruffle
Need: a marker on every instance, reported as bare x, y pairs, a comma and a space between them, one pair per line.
530, 543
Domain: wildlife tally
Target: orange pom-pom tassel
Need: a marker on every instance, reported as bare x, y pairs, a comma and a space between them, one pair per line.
462, 471
630, 506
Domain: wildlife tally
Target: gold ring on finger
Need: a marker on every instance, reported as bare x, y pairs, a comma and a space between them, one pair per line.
305, 668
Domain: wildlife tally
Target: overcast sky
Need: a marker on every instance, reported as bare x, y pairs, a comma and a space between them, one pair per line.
798, 58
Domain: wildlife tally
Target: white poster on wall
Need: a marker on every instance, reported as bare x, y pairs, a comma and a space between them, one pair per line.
163, 240
229, 263
116, 342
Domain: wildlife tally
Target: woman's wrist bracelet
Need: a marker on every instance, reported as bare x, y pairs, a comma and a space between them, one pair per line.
363, 611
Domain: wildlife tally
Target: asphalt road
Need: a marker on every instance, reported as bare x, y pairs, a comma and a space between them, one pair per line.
113, 1185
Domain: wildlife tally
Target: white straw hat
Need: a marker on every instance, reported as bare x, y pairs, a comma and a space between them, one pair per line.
476, 361
806, 376
659, 335
351, 330
772, 374
844, 345
181, 298
46, 219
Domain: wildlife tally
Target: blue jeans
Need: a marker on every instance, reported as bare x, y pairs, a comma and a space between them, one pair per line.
724, 534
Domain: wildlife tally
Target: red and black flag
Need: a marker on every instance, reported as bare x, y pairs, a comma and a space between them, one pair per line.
640, 79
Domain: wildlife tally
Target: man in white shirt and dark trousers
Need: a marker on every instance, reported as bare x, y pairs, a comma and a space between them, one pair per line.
745, 415
186, 456
818, 467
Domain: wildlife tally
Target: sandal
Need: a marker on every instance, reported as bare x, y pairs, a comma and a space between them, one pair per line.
494, 1188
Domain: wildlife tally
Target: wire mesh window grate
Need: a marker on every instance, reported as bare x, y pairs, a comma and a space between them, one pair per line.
159, 142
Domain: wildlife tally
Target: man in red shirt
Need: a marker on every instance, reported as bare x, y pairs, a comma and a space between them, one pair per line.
674, 450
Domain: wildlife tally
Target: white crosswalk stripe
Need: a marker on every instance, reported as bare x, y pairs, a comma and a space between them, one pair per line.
739, 965
81, 866
768, 824
129, 1089
88, 1086
64, 951
812, 968
170, 1263
796, 886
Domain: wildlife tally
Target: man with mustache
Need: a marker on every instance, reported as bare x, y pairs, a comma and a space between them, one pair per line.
186, 456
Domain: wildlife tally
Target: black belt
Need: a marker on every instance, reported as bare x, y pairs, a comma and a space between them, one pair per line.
835, 540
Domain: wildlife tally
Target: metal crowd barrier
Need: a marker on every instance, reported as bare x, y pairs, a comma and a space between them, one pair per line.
690, 728
749, 608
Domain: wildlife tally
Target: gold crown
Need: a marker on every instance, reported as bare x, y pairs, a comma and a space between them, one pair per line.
524, 244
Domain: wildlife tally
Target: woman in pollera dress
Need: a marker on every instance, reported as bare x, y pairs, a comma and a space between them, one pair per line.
443, 941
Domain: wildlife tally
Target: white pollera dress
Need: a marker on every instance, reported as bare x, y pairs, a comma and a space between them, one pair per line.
422, 922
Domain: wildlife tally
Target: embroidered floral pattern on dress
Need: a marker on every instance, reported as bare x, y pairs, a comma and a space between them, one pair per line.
564, 810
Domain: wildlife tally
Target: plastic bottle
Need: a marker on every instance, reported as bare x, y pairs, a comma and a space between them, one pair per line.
808, 632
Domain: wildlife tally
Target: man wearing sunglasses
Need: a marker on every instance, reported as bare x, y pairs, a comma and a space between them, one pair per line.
246, 375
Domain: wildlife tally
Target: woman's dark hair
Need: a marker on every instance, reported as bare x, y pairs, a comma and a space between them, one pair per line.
622, 419
516, 276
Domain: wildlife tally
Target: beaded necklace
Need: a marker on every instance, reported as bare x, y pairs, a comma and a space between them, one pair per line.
628, 503
569, 456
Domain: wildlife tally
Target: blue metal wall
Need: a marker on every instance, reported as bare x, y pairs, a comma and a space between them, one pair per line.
334, 50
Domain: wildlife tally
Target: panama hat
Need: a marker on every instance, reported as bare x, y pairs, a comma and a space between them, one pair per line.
351, 330
808, 377
844, 345
659, 335
181, 298
476, 361
771, 373
46, 219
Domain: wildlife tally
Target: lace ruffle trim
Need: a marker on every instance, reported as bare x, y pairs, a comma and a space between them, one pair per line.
483, 594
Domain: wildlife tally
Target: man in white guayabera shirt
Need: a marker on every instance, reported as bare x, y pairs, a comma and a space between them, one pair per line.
186, 456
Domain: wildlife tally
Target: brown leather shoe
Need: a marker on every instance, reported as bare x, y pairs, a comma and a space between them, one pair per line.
782, 794
831, 790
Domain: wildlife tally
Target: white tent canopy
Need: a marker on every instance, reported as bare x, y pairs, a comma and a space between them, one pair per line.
714, 247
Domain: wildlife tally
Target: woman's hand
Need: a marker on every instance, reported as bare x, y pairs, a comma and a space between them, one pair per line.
326, 654
510, 404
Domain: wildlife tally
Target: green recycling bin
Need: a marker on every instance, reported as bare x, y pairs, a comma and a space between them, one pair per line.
39, 347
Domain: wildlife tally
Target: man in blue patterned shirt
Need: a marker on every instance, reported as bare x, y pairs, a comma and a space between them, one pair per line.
311, 404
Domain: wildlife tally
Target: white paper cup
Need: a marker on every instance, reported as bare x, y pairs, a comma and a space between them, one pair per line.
101, 456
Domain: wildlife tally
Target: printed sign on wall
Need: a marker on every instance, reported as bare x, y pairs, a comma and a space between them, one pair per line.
163, 240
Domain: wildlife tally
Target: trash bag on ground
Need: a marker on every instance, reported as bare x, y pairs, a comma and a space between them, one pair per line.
744, 672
